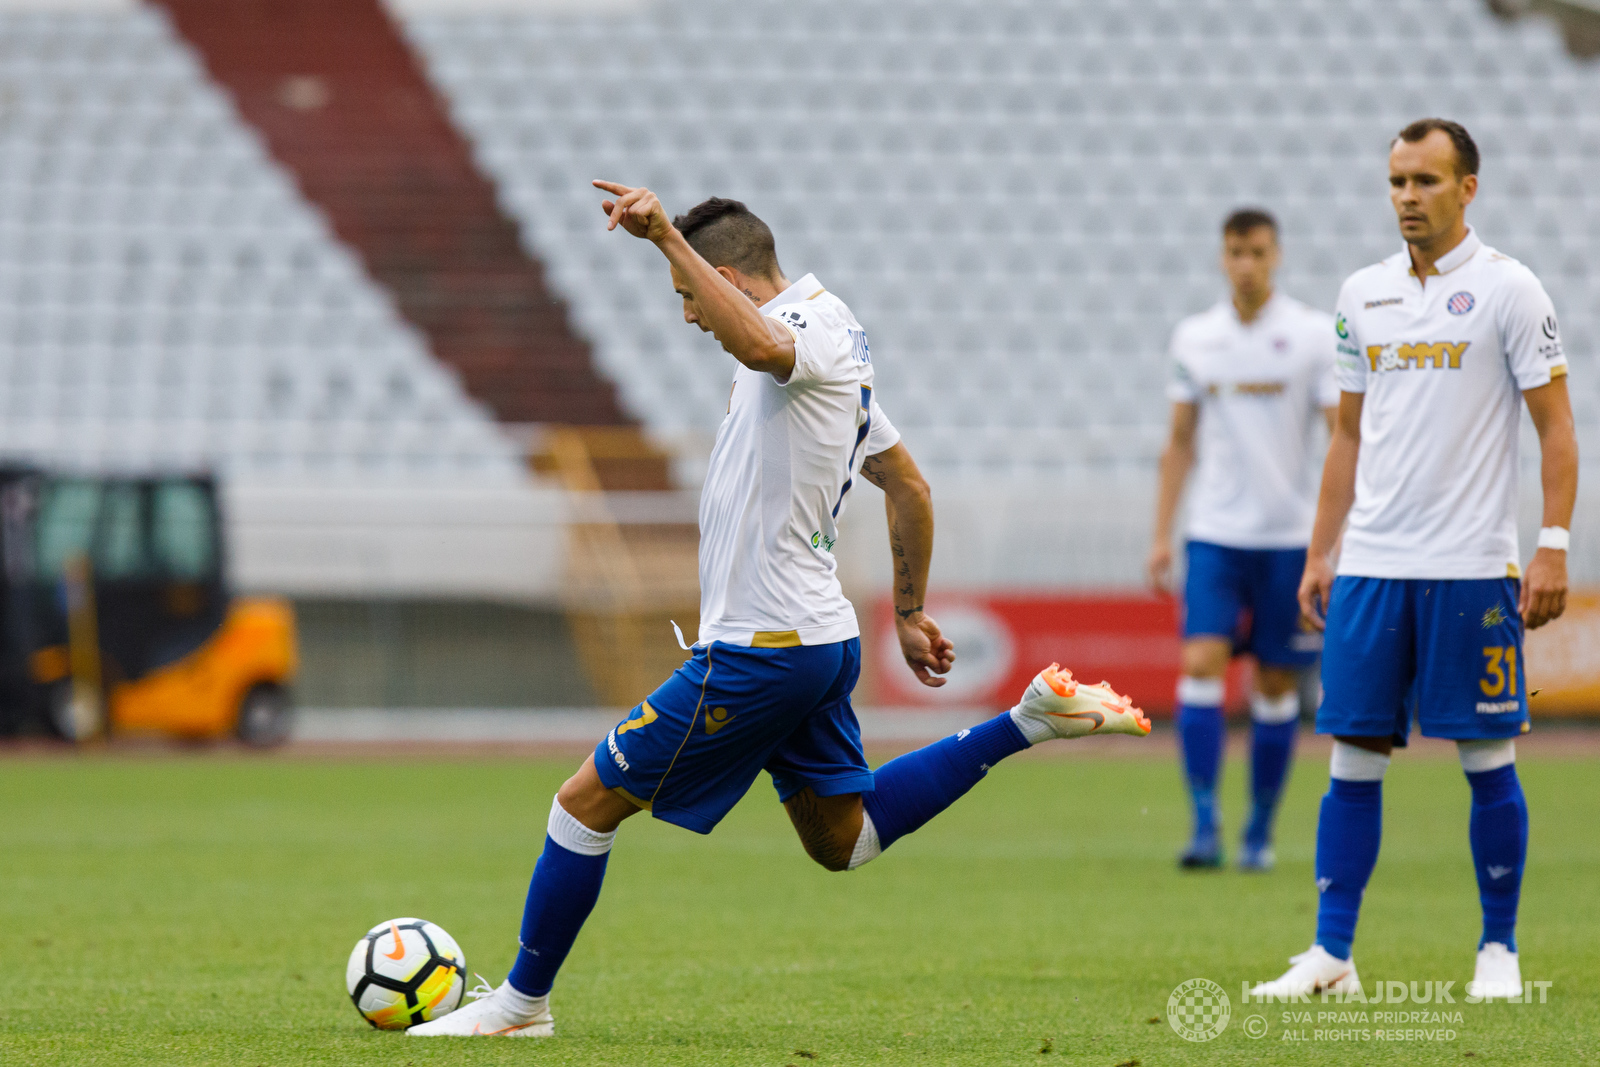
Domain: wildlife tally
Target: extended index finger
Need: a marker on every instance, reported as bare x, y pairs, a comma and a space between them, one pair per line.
612, 187
624, 203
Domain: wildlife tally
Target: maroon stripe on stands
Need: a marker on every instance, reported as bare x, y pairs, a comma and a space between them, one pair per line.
344, 104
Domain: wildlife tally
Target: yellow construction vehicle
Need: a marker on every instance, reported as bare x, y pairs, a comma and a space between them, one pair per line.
117, 618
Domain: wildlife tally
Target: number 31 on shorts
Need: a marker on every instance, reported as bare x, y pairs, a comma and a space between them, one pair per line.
1499, 670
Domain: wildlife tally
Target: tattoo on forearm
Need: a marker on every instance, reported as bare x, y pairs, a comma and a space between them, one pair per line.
905, 588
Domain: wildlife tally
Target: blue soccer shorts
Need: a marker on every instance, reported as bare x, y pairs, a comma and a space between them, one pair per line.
1447, 652
691, 750
1249, 596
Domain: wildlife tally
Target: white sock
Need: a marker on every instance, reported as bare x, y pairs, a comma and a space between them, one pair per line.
573, 836
1201, 692
517, 1004
1033, 730
1354, 764
1490, 755
1274, 710
867, 848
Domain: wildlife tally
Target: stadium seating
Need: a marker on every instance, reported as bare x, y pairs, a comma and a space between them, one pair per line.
1018, 199
168, 298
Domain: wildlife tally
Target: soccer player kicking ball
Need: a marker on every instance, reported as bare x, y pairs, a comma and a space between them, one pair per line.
768, 684
1425, 616
1249, 379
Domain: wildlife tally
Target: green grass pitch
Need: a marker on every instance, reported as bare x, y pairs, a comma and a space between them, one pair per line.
199, 910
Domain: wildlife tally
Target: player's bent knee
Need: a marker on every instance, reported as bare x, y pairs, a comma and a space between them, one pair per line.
585, 797
832, 857
828, 827
830, 850
1488, 755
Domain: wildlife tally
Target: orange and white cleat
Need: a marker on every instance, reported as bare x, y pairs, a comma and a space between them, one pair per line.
1057, 705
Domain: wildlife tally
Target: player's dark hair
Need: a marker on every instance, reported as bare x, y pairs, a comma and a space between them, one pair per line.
728, 234
1466, 148
1246, 219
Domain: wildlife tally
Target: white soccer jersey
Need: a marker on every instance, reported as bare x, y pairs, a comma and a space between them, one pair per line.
785, 460
1260, 388
1443, 367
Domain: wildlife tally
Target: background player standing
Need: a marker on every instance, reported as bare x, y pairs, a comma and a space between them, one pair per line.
768, 684
1425, 617
1249, 377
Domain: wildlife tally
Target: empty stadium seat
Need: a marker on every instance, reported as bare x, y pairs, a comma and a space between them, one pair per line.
168, 298
1019, 201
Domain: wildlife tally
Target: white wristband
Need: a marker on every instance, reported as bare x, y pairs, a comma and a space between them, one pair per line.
1555, 537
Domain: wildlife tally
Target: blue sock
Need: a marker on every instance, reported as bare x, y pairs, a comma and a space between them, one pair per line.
910, 790
1200, 733
1499, 832
1271, 747
1348, 833
561, 895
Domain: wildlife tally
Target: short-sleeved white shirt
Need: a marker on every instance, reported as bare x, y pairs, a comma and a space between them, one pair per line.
1443, 367
786, 457
1260, 388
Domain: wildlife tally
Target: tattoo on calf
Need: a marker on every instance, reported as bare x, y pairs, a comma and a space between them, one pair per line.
815, 833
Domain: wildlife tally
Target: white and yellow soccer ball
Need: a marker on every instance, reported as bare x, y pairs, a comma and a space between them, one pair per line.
404, 972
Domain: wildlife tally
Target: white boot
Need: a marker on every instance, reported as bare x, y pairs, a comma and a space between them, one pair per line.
1498, 974
499, 1012
1313, 971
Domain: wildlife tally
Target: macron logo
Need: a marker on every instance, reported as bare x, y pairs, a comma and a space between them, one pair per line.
1498, 872
1323, 884
616, 753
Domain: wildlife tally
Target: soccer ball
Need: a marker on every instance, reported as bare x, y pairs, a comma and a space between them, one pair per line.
404, 972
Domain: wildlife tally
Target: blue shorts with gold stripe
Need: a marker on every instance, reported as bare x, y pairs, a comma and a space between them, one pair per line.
691, 750
1447, 653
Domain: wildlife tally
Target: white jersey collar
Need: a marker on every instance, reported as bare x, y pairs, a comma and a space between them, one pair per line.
1452, 259
1268, 311
806, 288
